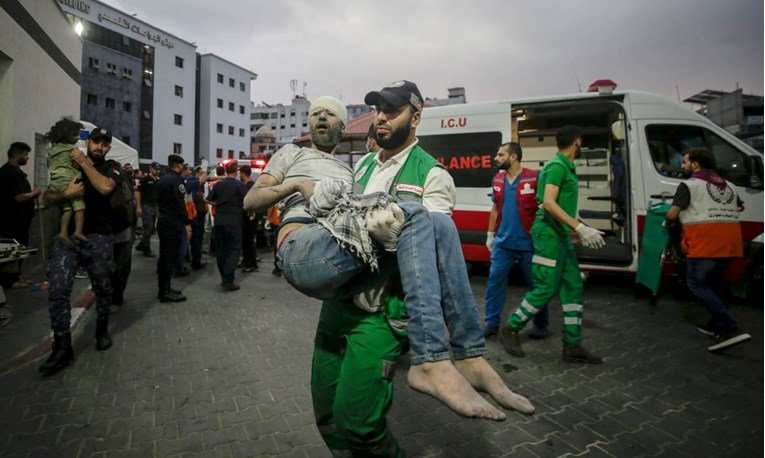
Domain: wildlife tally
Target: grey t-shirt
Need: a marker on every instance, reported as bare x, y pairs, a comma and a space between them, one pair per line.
292, 163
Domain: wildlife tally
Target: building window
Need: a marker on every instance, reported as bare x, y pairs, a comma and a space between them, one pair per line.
231, 130
241, 132
219, 128
178, 119
241, 155
109, 103
179, 91
230, 154
231, 82
127, 73
127, 107
273, 126
231, 106
92, 99
177, 148
178, 62
305, 124
292, 126
126, 139
292, 113
220, 78
220, 103
241, 109
274, 115
111, 68
93, 63
241, 87
219, 152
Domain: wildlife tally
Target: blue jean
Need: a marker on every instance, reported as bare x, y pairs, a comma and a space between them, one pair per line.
502, 260
433, 276
705, 281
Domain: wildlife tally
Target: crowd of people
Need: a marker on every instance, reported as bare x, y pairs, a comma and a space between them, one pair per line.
385, 227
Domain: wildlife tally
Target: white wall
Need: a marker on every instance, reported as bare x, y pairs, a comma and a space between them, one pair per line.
34, 90
210, 115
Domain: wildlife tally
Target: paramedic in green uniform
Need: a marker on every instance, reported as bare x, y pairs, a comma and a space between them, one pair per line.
554, 264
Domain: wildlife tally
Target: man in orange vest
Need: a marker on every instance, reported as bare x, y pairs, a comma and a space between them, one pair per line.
707, 207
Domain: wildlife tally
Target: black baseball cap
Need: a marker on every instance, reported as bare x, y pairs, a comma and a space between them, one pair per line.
175, 159
101, 132
397, 94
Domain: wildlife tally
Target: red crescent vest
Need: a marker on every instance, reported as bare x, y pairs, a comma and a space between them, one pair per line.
525, 196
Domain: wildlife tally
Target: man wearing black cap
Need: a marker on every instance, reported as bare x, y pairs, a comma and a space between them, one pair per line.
172, 223
227, 196
102, 219
350, 405
146, 207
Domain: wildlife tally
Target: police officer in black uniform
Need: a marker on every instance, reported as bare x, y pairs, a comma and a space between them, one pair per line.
173, 221
99, 182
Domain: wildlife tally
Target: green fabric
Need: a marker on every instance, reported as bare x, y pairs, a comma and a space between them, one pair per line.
352, 379
414, 172
62, 172
563, 280
561, 172
655, 241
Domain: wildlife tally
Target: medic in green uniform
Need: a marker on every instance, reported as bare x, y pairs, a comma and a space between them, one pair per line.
554, 264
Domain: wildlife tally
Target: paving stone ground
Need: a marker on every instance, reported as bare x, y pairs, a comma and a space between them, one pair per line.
227, 375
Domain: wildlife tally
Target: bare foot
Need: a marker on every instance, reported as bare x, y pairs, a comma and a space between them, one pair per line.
80, 236
483, 377
443, 381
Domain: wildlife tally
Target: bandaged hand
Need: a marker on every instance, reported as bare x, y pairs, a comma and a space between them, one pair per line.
590, 237
325, 195
384, 225
489, 240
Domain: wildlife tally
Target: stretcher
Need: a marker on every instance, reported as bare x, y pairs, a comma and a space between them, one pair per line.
11, 251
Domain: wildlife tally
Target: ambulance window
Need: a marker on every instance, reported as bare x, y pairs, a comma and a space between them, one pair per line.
467, 157
667, 143
731, 163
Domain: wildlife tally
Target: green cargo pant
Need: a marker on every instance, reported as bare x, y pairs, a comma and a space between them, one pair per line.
555, 271
352, 380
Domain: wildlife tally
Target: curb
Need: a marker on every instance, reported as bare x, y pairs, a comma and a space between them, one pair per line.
86, 300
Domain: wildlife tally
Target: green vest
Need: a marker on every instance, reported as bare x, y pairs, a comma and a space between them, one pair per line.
407, 186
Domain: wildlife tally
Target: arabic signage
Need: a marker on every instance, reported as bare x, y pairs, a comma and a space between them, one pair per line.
78, 5
136, 28
119, 21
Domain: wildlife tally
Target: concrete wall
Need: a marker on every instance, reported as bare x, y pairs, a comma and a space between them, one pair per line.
210, 90
35, 91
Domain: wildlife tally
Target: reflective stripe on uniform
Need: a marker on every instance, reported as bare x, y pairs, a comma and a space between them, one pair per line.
572, 320
572, 307
536, 259
528, 308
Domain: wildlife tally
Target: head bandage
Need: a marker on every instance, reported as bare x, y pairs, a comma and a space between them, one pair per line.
332, 105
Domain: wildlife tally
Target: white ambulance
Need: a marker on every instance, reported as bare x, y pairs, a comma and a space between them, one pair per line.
633, 146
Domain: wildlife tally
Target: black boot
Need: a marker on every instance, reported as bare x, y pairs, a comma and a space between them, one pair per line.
103, 339
168, 295
61, 355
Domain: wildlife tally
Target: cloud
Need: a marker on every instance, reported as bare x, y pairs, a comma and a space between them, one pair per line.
494, 48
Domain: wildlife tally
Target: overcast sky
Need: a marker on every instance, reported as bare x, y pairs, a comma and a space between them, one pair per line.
495, 49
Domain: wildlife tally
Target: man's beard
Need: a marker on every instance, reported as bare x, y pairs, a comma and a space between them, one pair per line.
397, 137
504, 166
330, 139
